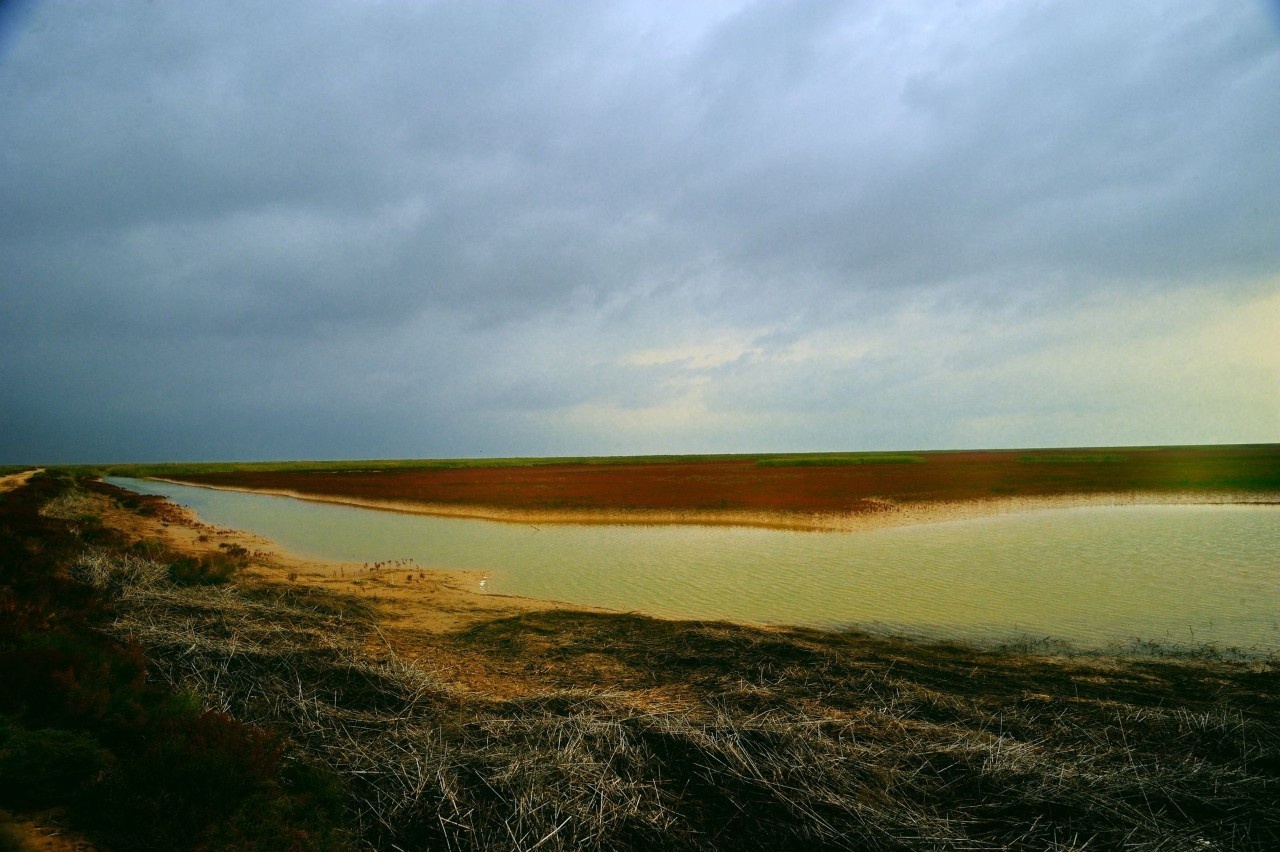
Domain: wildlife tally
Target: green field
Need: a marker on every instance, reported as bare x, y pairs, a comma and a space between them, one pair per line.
160, 469
1265, 457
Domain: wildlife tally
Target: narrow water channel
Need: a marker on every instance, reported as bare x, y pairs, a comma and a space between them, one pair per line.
1180, 574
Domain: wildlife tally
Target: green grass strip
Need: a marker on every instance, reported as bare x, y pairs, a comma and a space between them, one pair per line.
1071, 459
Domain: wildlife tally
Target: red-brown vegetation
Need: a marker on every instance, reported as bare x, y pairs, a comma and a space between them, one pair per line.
788, 484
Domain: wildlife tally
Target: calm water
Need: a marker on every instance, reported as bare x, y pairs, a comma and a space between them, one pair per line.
1091, 575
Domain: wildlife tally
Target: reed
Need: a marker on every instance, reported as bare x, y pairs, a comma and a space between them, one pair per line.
710, 736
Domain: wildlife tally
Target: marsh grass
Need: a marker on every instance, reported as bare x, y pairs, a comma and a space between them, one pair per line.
72, 505
634, 733
87, 735
621, 732
783, 486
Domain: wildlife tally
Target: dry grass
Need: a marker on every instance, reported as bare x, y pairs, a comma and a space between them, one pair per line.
634, 733
109, 570
71, 505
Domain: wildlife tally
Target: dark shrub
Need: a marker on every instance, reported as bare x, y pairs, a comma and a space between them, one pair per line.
191, 772
47, 767
212, 570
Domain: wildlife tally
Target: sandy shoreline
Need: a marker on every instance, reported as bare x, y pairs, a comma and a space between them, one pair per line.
409, 596
888, 513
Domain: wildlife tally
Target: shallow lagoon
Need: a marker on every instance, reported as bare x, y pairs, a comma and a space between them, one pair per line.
1183, 574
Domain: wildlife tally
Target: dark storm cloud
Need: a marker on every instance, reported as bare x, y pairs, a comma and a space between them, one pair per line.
1046, 137
242, 217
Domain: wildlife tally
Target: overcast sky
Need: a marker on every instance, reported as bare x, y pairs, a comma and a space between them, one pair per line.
248, 230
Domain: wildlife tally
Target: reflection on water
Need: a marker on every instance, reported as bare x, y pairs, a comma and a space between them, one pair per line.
1091, 575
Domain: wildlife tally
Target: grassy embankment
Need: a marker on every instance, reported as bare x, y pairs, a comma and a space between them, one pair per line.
89, 739
596, 731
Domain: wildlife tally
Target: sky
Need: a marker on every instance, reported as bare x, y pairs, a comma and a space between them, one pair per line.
307, 229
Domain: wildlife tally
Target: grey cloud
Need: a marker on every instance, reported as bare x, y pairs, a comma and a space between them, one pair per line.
494, 201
